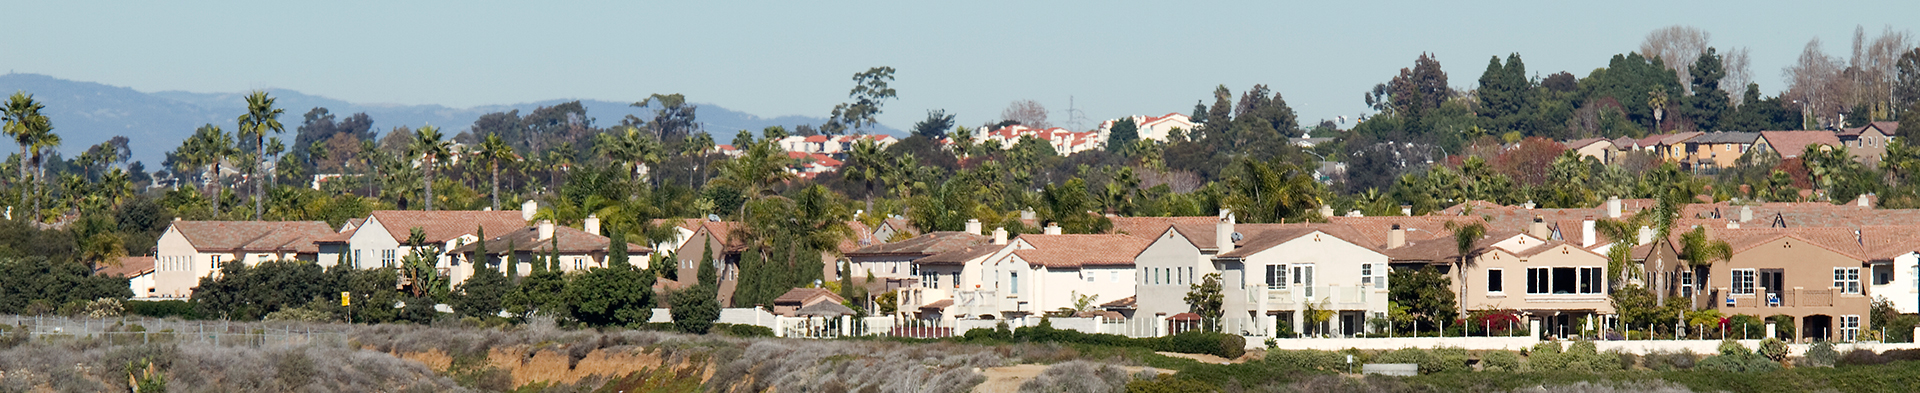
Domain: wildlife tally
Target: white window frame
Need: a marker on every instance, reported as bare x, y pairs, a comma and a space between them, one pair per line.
1686, 284
1366, 275
1013, 281
1742, 281
1113, 276
216, 262
1849, 327
1847, 280
388, 258
1279, 280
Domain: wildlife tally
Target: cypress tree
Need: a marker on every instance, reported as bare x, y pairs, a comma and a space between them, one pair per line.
707, 275
513, 262
616, 250
553, 255
480, 249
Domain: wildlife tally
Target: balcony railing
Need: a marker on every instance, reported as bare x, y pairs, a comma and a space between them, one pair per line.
1336, 296
1784, 298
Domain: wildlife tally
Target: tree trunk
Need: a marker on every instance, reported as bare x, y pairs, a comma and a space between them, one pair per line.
427, 176
212, 184
260, 151
496, 184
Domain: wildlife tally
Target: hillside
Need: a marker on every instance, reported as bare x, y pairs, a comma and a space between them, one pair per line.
86, 113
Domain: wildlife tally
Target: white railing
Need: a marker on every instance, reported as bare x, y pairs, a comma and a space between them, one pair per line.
1340, 297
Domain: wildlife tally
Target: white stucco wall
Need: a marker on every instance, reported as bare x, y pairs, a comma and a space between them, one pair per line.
1902, 291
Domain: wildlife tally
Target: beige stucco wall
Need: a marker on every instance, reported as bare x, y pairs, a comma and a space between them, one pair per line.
1804, 267
1513, 281
1171, 250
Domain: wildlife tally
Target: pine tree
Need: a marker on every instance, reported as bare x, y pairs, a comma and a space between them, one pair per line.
1122, 135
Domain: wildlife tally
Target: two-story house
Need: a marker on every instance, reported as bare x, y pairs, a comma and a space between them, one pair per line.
1310, 267
577, 249
1817, 276
381, 241
189, 250
1035, 274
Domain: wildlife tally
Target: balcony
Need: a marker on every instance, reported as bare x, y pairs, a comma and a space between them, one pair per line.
1297, 297
1784, 298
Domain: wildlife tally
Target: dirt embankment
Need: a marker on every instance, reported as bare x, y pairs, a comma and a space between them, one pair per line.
553, 365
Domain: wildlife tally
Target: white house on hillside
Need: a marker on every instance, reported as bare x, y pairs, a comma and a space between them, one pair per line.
189, 250
1035, 274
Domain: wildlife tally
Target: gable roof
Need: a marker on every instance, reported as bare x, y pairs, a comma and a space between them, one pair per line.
960, 256
1074, 251
129, 267
1579, 143
443, 225
1150, 227
254, 236
1789, 144
572, 241
798, 296
1277, 236
1726, 137
923, 245
1375, 229
1839, 240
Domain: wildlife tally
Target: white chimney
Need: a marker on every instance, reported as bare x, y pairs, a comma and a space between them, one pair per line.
546, 230
1053, 228
1586, 233
1862, 202
527, 209
1613, 207
1746, 213
1646, 235
1731, 224
1223, 232
486, 208
1026, 214
1396, 237
1326, 211
591, 224
1406, 210
1000, 236
973, 226
1528, 205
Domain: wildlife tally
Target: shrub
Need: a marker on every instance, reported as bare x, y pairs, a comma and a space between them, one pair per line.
1165, 383
1078, 376
161, 308
1450, 359
1584, 356
1730, 347
1739, 362
1427, 361
1746, 327
1307, 360
1773, 348
739, 330
1546, 356
1505, 361
1894, 355
1821, 354
1667, 361
1862, 357
298, 314
1220, 344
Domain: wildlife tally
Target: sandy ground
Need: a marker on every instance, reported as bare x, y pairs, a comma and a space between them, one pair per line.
1008, 379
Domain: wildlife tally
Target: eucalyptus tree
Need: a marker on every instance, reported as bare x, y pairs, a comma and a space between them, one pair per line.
261, 118
429, 145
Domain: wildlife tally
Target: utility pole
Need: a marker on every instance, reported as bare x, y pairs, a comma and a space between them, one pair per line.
1074, 116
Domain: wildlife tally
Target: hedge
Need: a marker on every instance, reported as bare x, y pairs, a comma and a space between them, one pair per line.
1212, 343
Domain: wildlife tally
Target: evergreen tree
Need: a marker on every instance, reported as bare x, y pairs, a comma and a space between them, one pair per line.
1708, 105
481, 295
480, 256
512, 260
1123, 134
695, 308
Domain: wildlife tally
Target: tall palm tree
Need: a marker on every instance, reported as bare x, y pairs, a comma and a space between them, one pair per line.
631, 148
697, 145
495, 149
368, 152
1701, 251
1271, 193
273, 149
261, 118
212, 146
21, 110
429, 145
869, 166
43, 140
1464, 237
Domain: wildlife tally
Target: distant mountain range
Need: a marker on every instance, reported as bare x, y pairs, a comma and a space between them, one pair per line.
87, 113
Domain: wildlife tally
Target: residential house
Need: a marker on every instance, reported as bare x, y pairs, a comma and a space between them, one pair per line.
139, 274
189, 250
1559, 283
715, 237
1893, 256
1154, 128
1790, 144
1309, 267
1869, 142
1669, 147
895, 266
1035, 274
1718, 149
894, 228
1814, 275
381, 241
1598, 148
789, 304
577, 249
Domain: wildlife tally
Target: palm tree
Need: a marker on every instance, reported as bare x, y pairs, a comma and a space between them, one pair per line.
1701, 251
274, 148
495, 149
1464, 237
43, 139
1272, 193
631, 148
20, 112
368, 152
429, 145
869, 165
212, 146
697, 145
260, 119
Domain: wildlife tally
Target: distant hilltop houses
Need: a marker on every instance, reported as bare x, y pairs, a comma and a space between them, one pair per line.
1721, 149
818, 154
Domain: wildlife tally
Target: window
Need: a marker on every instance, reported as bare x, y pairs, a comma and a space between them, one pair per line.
216, 262
1089, 276
1566, 280
929, 280
386, 258
1849, 327
1494, 277
1847, 279
956, 279
1742, 281
1686, 284
1914, 275
1366, 275
1277, 276
1303, 278
1538, 280
1013, 279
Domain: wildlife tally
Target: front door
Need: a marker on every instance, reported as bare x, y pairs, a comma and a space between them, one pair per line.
1770, 282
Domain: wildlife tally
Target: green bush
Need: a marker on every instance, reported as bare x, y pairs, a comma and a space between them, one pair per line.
1427, 361
1307, 360
1503, 361
1450, 359
737, 330
1220, 344
162, 309
1546, 356
1774, 349
1821, 354
1667, 361
1729, 347
1862, 357
1739, 363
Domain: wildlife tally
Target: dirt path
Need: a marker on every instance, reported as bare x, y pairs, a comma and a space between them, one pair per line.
1203, 358
1008, 379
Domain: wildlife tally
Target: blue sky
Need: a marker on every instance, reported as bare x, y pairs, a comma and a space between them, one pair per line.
778, 58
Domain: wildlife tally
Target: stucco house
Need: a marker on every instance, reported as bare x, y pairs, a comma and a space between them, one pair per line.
578, 250
1817, 276
380, 241
1301, 267
189, 250
138, 272
1035, 274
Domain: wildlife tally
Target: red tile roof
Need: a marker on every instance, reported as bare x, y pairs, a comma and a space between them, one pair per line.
129, 267
1151, 227
572, 241
1790, 144
254, 236
1074, 251
1250, 245
923, 245
443, 225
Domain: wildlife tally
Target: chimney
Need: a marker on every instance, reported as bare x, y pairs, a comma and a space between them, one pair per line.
1396, 237
1863, 202
1026, 214
1528, 205
486, 208
1326, 211
1613, 207
1000, 236
1731, 224
546, 230
1053, 228
591, 224
1586, 233
973, 226
1406, 210
1223, 232
1646, 235
1746, 213
527, 208
1539, 229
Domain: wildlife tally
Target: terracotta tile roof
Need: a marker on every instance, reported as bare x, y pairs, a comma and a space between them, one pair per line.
960, 256
1073, 251
722, 230
337, 238
798, 296
1579, 143
862, 237
1150, 227
443, 225
1726, 137
1418, 228
690, 224
1790, 144
572, 241
924, 245
1126, 302
1886, 242
1839, 239
1801, 214
1891, 128
1250, 245
1443, 249
254, 236
129, 267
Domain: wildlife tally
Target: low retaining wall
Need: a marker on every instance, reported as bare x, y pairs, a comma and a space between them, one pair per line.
1335, 344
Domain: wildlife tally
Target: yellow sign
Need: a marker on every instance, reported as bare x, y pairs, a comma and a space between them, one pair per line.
346, 299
